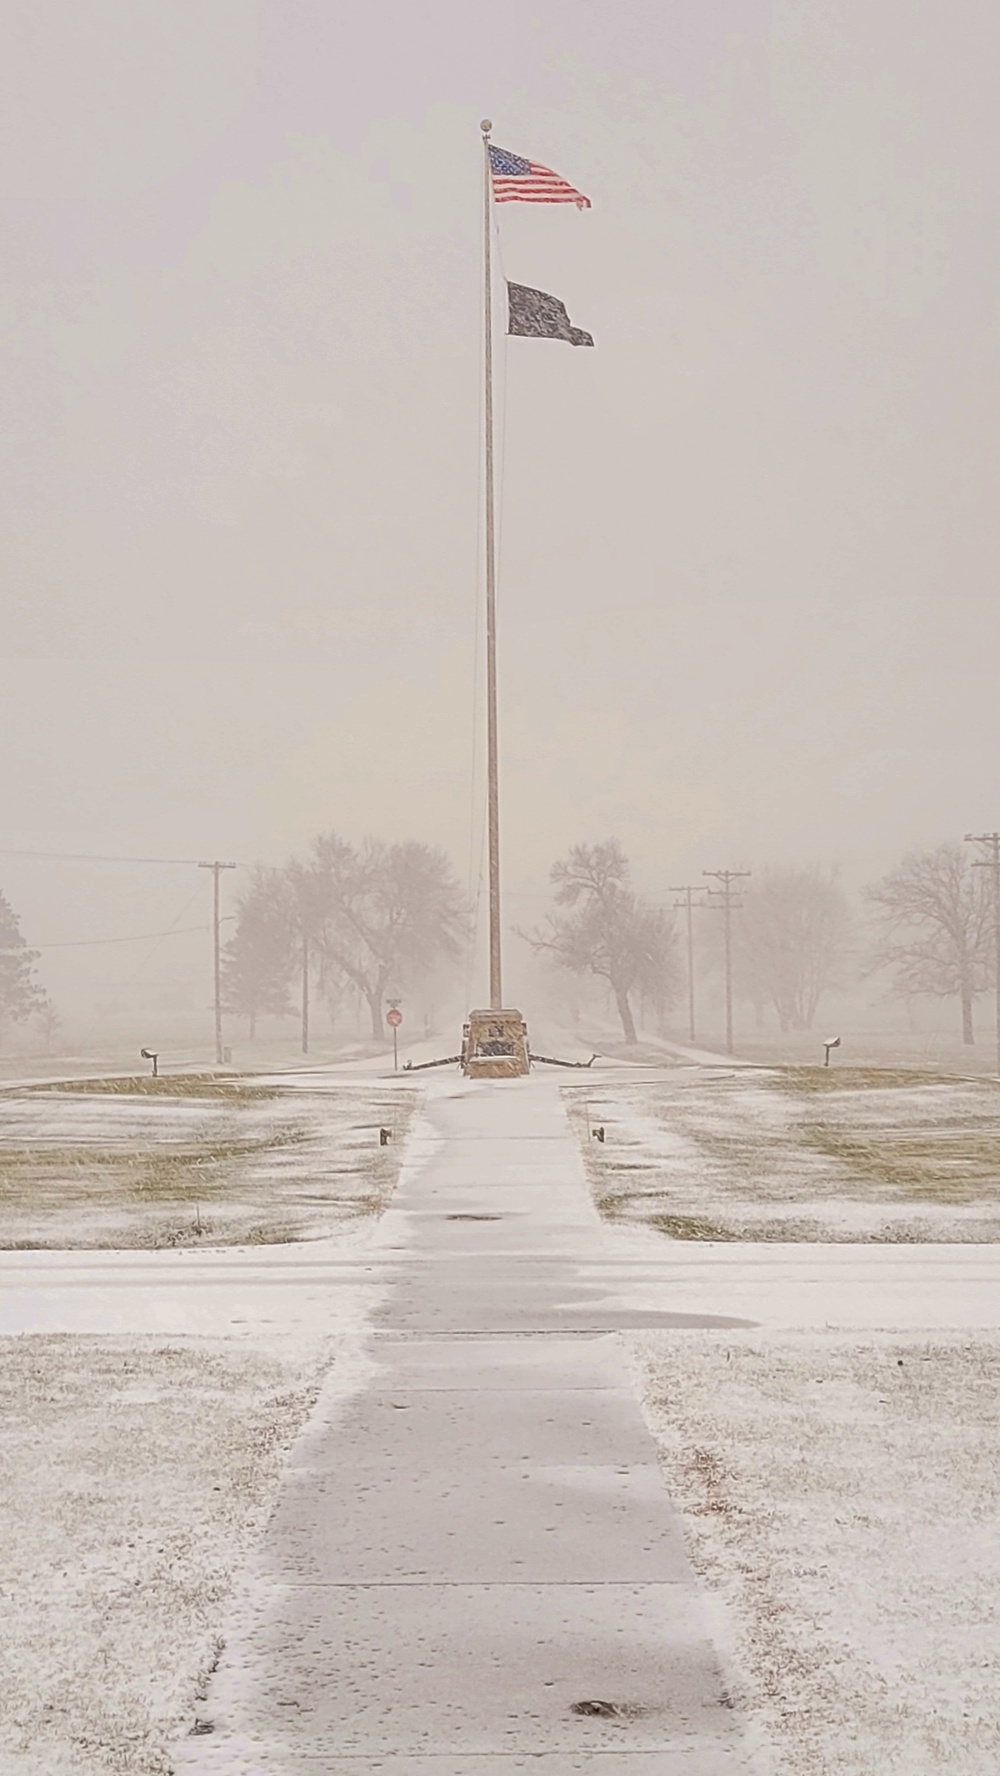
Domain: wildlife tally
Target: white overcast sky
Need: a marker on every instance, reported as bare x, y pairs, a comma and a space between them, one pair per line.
750, 543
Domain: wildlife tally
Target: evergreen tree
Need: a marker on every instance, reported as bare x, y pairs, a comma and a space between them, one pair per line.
20, 993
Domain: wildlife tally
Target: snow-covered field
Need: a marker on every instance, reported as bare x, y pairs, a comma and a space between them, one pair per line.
197, 1162
796, 1154
841, 1489
137, 1470
841, 1496
148, 1403
136, 1474
838, 1465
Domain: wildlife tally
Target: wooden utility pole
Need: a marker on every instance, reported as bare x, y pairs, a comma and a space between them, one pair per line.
687, 890
492, 773
305, 993
991, 861
217, 868
725, 895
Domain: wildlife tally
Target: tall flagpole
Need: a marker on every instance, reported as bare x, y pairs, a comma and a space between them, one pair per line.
496, 988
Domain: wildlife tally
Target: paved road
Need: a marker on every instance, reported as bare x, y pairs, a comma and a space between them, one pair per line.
473, 1567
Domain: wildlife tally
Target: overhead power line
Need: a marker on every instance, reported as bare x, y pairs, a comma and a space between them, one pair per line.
87, 943
93, 857
216, 866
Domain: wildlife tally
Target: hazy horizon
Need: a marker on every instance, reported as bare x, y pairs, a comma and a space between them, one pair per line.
748, 543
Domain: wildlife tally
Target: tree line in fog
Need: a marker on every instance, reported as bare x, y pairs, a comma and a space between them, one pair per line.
366, 920
371, 919
377, 919
926, 929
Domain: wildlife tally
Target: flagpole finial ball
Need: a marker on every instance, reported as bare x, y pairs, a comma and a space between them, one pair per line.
486, 126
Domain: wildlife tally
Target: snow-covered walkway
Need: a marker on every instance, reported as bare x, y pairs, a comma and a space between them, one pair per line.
472, 1534
474, 1565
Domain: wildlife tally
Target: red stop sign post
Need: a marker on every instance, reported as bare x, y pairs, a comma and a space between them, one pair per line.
394, 1018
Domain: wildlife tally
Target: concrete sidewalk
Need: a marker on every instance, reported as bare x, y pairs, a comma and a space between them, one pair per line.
473, 1566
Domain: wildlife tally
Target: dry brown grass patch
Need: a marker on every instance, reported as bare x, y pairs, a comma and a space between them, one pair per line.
833, 1079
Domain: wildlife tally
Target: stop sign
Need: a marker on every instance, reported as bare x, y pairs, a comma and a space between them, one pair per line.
394, 1018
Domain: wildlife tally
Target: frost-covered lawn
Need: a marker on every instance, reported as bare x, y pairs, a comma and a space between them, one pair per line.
196, 1161
140, 1454
796, 1154
136, 1474
841, 1496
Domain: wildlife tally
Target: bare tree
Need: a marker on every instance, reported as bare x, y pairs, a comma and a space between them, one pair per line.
20, 993
259, 961
383, 912
605, 929
793, 941
934, 917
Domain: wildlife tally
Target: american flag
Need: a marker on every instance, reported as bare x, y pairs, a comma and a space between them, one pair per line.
523, 181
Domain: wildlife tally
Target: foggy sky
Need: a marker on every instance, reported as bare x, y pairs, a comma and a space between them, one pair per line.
749, 543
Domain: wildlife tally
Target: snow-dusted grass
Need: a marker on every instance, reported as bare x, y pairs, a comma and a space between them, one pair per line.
841, 1079
136, 1474
841, 1496
198, 1162
140, 1454
227, 1086
138, 1462
796, 1154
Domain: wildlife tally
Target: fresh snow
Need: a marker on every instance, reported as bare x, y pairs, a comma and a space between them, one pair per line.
847, 1286
840, 1505
148, 1400
746, 1156
137, 1474
841, 1497
279, 1159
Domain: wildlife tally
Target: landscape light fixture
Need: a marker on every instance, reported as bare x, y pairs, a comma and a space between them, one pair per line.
831, 1042
148, 1055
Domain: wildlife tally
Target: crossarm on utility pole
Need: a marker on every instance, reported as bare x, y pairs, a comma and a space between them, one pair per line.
727, 877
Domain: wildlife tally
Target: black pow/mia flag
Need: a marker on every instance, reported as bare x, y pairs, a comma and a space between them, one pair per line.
539, 316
